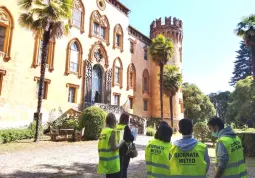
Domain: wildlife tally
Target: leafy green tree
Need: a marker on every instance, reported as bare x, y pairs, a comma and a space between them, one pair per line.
197, 106
46, 17
220, 101
172, 81
242, 103
243, 64
161, 51
246, 30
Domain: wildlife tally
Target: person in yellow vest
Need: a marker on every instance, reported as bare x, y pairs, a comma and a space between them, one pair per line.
157, 152
125, 133
189, 158
109, 161
229, 156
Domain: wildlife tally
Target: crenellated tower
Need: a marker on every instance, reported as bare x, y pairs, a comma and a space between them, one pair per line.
170, 28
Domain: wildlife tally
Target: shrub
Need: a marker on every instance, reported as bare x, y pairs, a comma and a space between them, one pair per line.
153, 122
93, 119
71, 123
10, 135
201, 131
248, 141
150, 131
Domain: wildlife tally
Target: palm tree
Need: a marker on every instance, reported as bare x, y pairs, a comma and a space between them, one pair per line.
46, 17
246, 29
161, 51
172, 81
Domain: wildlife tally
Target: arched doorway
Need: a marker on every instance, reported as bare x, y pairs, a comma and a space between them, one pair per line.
97, 80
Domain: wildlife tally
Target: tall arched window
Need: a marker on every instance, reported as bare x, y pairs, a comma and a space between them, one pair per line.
118, 37
78, 16
38, 51
146, 80
74, 58
131, 77
99, 27
117, 73
6, 30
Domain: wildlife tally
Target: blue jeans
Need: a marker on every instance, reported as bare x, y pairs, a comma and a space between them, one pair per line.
124, 162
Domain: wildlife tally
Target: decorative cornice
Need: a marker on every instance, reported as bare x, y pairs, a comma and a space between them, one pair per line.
138, 35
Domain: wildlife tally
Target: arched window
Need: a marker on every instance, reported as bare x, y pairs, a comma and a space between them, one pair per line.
99, 27
78, 16
117, 73
146, 80
6, 30
38, 51
118, 37
74, 58
131, 77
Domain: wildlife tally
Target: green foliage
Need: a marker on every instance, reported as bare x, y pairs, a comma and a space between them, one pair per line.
201, 131
198, 106
150, 131
172, 80
248, 141
93, 119
220, 101
245, 28
153, 122
10, 135
243, 64
32, 128
71, 123
161, 49
242, 104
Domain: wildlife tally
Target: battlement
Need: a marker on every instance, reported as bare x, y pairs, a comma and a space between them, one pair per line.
169, 22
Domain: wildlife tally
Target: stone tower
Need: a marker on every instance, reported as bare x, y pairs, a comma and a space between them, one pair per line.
170, 28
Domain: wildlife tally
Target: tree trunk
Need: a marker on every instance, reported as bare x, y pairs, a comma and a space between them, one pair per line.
44, 56
171, 109
161, 91
253, 60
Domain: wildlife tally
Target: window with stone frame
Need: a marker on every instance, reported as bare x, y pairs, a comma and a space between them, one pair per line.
45, 87
6, 32
118, 37
145, 82
145, 54
2, 74
38, 46
116, 99
132, 47
72, 93
117, 73
131, 77
2, 37
99, 27
74, 58
145, 104
78, 15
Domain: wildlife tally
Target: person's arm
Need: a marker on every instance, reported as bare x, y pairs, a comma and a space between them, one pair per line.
222, 156
112, 141
207, 160
128, 136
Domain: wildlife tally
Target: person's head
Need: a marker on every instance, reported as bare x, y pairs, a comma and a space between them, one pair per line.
185, 127
110, 120
124, 118
164, 132
215, 125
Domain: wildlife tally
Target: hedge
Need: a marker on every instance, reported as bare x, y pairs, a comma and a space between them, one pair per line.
248, 141
10, 135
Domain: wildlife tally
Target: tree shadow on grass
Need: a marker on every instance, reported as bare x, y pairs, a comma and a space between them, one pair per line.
76, 170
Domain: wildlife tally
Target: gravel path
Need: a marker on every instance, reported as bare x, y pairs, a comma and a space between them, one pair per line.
49, 159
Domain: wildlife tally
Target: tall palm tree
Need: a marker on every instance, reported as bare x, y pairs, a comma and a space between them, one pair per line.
161, 51
246, 29
172, 81
48, 18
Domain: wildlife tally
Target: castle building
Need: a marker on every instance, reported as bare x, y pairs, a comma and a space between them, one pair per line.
102, 60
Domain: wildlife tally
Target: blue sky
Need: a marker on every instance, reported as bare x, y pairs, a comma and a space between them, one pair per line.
209, 41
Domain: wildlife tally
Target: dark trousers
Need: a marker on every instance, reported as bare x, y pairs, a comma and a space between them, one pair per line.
124, 162
114, 175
